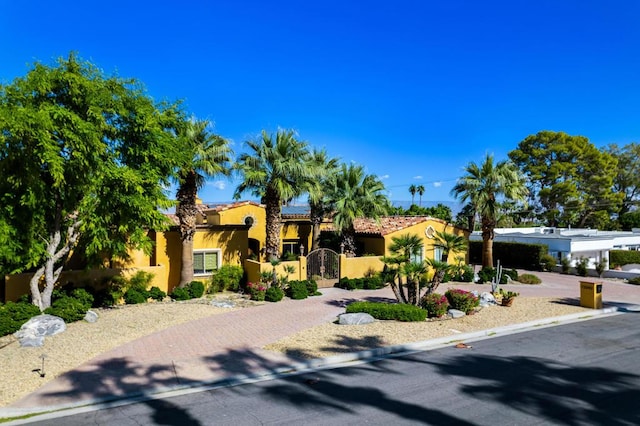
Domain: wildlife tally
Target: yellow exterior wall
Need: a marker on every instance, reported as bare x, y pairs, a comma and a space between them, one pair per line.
358, 267
420, 229
18, 284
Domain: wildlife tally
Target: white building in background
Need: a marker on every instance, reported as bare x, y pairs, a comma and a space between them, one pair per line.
570, 243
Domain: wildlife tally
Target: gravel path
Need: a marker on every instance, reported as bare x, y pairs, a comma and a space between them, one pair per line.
83, 341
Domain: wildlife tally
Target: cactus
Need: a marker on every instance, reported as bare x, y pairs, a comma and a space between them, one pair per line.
496, 280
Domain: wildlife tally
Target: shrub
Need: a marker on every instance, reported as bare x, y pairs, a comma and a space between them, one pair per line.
312, 287
196, 289
134, 296
511, 273
156, 294
13, 315
83, 296
389, 311
565, 265
227, 277
634, 281
600, 267
68, 308
180, 293
141, 281
257, 291
274, 294
115, 287
435, 304
464, 274
529, 279
547, 262
581, 266
367, 283
462, 300
624, 257
486, 274
297, 290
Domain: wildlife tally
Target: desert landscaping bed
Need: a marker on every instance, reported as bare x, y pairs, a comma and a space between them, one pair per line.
83, 341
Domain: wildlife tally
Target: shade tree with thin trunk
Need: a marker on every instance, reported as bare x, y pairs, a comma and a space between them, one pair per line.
84, 160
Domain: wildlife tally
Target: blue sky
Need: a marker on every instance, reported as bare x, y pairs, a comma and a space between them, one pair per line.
413, 90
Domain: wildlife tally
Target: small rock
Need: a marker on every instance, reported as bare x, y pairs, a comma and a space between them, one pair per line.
454, 313
487, 299
355, 319
222, 304
91, 316
33, 332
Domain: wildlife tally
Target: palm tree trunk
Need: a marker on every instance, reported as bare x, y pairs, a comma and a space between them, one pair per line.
187, 213
488, 225
272, 210
316, 221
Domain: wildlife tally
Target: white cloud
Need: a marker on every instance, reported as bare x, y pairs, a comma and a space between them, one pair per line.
384, 177
417, 177
219, 184
437, 184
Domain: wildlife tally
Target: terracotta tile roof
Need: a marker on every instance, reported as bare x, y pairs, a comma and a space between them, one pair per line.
222, 207
173, 218
387, 225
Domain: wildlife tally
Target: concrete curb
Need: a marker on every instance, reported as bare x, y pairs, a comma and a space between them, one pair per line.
297, 368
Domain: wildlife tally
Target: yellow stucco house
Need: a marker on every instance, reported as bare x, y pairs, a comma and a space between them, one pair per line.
235, 234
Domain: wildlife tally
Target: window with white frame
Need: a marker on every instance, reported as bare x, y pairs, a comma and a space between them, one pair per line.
437, 253
418, 257
206, 261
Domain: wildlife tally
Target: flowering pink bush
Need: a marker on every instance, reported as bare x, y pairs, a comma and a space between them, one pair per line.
256, 291
435, 304
462, 300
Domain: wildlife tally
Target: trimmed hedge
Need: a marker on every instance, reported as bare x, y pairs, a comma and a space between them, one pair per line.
512, 255
529, 279
389, 311
297, 290
273, 294
623, 257
366, 283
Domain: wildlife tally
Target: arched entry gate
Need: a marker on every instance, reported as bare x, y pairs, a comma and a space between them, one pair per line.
323, 265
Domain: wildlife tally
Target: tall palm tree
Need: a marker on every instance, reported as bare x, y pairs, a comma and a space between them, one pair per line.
353, 195
449, 243
484, 186
420, 191
207, 155
277, 170
319, 206
412, 191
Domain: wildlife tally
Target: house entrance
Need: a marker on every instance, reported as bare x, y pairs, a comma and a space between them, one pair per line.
323, 266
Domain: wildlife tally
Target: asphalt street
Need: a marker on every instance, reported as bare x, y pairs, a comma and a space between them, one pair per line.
584, 373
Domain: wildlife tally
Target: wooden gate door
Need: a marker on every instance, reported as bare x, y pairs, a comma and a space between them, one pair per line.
323, 265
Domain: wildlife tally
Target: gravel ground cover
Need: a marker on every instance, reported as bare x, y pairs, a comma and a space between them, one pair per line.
83, 341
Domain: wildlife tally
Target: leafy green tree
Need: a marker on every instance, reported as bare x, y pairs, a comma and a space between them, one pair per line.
439, 211
354, 195
277, 169
412, 190
84, 159
630, 220
319, 205
627, 179
449, 243
420, 191
466, 217
570, 181
483, 186
206, 155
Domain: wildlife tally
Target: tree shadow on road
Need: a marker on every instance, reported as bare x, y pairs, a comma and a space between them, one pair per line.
554, 391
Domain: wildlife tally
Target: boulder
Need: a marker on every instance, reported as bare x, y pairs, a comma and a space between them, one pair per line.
91, 316
355, 319
33, 332
454, 313
223, 304
487, 299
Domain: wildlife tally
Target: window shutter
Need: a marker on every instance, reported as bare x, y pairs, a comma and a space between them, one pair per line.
198, 263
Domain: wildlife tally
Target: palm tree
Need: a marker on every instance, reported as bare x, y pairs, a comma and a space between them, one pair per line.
402, 249
276, 170
483, 186
353, 195
449, 243
319, 206
420, 191
412, 191
207, 155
